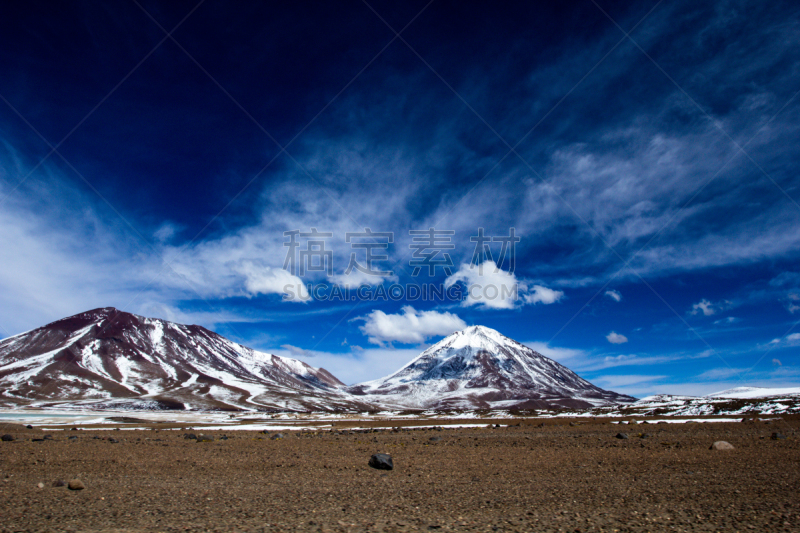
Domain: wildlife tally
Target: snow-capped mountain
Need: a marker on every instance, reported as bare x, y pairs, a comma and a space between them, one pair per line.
478, 368
109, 358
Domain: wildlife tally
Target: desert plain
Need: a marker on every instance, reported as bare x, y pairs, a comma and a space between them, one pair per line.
507, 475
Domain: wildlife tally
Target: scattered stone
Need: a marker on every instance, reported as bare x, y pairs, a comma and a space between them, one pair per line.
59, 483
7, 438
205, 438
48, 437
29, 426
75, 484
40, 485
435, 439
622, 435
381, 461
277, 436
37, 440
722, 445
112, 440
778, 436
191, 436
73, 438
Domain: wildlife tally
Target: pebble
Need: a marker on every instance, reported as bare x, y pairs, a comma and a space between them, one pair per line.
381, 461
189, 436
435, 439
59, 483
205, 438
75, 484
7, 438
40, 485
622, 435
722, 445
778, 436
277, 436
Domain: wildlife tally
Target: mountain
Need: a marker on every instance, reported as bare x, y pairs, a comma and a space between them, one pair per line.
110, 359
478, 368
107, 358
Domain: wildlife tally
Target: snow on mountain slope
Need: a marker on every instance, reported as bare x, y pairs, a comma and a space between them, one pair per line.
108, 358
480, 368
755, 392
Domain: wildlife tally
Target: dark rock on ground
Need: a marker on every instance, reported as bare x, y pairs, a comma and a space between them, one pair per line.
205, 438
778, 436
622, 435
59, 483
277, 436
190, 436
75, 484
381, 461
7, 438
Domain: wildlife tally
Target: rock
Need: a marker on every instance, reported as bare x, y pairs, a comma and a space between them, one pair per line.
48, 437
72, 438
40, 485
7, 438
29, 426
381, 461
189, 436
622, 435
722, 445
112, 440
277, 436
435, 439
75, 484
59, 483
205, 438
777, 436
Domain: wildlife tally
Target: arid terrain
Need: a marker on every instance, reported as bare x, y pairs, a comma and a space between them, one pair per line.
562, 476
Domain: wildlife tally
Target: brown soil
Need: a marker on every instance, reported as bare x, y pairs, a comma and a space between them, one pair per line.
552, 478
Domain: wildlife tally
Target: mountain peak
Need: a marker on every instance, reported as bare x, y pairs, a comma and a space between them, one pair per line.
479, 367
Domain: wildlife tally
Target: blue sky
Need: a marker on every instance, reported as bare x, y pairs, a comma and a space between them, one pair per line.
153, 155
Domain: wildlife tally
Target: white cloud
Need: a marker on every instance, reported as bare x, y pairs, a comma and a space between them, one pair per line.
166, 232
267, 280
708, 308
703, 306
777, 362
789, 340
616, 338
357, 278
721, 373
539, 294
491, 287
410, 326
614, 295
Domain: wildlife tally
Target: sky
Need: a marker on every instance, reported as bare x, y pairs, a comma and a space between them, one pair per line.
613, 184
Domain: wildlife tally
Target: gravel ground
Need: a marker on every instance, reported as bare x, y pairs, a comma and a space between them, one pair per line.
553, 478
